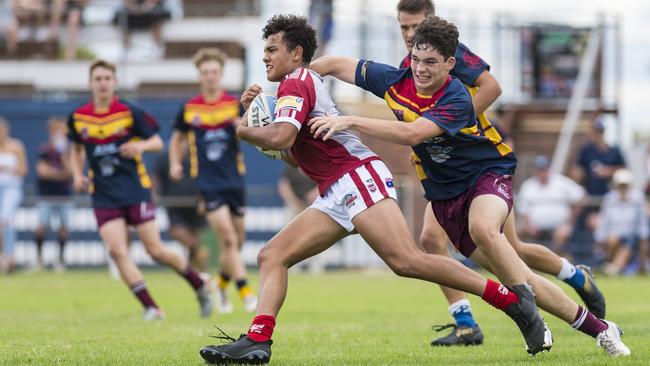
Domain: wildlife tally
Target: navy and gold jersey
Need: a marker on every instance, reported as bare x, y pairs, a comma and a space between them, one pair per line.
115, 181
216, 160
452, 162
468, 65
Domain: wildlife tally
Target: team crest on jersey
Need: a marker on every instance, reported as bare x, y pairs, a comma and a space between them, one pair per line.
389, 182
439, 154
84, 133
350, 199
370, 183
472, 61
399, 114
196, 120
289, 102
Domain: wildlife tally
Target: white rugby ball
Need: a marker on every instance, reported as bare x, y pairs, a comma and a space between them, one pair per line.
260, 114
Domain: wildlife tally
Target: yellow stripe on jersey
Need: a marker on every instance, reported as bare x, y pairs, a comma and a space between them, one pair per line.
145, 181
489, 130
408, 101
91, 184
408, 115
194, 159
101, 120
104, 129
241, 167
211, 115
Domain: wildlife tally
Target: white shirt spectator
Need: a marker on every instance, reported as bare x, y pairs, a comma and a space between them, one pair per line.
548, 206
622, 218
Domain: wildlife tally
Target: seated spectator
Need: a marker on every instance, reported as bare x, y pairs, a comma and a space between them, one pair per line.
141, 15
623, 227
54, 183
597, 162
25, 19
548, 206
71, 11
13, 167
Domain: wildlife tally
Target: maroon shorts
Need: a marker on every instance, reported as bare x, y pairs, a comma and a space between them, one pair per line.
134, 215
453, 214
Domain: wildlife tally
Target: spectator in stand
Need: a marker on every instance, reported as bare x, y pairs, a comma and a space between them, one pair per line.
185, 222
23, 13
623, 228
597, 162
13, 167
142, 15
54, 182
71, 11
548, 206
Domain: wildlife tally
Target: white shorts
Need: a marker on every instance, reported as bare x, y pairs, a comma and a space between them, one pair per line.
355, 192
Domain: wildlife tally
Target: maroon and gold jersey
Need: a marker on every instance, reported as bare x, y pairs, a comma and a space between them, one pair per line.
115, 181
216, 161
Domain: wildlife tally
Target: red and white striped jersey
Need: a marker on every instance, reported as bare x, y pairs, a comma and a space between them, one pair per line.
301, 96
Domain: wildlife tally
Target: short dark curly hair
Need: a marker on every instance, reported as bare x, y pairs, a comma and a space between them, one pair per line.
416, 6
297, 32
438, 34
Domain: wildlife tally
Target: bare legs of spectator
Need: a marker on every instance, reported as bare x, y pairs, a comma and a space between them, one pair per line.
73, 25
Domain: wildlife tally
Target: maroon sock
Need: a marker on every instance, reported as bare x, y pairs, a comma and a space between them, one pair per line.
498, 295
262, 328
139, 289
192, 277
587, 323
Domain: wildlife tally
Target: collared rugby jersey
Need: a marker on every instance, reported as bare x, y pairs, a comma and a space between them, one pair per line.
216, 161
115, 181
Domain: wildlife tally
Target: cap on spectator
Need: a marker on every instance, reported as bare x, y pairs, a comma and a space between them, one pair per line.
622, 177
541, 162
599, 124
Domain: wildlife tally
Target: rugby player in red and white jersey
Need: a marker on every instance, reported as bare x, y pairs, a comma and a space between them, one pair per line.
356, 194
475, 73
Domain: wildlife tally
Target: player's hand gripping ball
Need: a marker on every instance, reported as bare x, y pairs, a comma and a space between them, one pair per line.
260, 114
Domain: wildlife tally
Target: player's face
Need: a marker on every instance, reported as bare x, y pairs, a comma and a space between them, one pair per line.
430, 69
210, 73
407, 24
103, 83
278, 59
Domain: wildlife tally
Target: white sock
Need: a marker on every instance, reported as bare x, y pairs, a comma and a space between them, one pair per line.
567, 270
458, 305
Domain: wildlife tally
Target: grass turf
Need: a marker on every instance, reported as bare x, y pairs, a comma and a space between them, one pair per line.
344, 318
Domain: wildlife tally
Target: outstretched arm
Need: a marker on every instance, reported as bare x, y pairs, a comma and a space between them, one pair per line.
410, 134
342, 68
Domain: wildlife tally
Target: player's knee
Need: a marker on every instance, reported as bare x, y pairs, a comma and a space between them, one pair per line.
229, 242
482, 233
157, 254
118, 254
432, 242
264, 256
401, 266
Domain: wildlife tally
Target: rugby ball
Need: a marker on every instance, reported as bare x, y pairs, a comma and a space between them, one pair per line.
260, 114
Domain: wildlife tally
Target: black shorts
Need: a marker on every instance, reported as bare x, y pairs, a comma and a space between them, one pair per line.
185, 217
234, 198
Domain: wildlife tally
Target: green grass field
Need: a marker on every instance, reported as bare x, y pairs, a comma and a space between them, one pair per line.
85, 318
